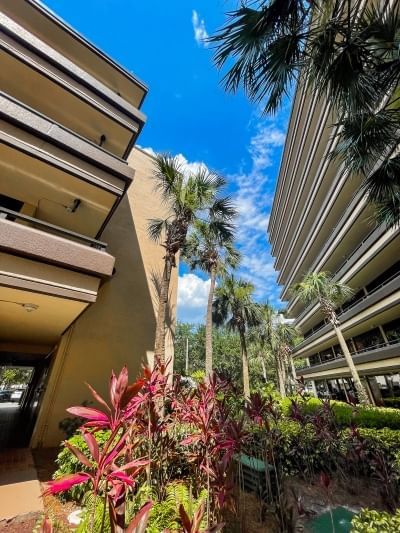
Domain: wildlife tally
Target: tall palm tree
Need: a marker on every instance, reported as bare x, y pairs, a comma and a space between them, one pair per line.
275, 338
329, 294
234, 307
186, 196
210, 247
345, 53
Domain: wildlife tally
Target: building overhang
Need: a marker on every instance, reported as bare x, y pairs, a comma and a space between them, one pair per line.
50, 28
48, 167
31, 69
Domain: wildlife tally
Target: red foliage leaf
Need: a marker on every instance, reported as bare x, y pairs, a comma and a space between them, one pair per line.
65, 483
89, 413
98, 398
139, 523
78, 454
92, 445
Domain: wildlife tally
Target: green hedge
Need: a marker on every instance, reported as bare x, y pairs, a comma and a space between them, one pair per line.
368, 417
370, 521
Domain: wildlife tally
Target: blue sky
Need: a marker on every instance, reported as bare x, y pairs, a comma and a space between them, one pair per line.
189, 113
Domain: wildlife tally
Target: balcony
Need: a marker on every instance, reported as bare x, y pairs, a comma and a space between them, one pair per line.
48, 277
360, 310
366, 357
376, 250
39, 76
47, 167
45, 25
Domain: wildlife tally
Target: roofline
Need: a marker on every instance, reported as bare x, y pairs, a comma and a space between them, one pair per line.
48, 13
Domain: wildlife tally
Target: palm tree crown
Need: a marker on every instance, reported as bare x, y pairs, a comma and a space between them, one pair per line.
321, 287
345, 53
234, 305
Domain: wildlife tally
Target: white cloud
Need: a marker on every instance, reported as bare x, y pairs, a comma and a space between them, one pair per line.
253, 197
186, 166
192, 297
199, 28
252, 192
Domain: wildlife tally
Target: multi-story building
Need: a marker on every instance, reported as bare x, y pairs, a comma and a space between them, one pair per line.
78, 275
321, 221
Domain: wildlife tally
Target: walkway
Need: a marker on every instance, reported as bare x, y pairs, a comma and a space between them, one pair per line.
19, 485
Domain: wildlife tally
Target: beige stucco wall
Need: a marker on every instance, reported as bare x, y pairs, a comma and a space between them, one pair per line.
119, 328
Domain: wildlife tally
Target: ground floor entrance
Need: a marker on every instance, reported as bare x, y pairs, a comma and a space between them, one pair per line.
21, 388
384, 389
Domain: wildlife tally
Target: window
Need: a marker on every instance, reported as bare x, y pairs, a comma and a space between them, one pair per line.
368, 339
392, 330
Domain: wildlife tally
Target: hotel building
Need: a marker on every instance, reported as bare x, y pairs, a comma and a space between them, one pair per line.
78, 274
321, 221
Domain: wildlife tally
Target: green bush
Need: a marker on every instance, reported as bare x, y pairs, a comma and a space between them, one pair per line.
368, 417
392, 402
68, 464
370, 521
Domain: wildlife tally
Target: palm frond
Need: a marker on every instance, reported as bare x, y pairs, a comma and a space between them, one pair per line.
156, 228
266, 45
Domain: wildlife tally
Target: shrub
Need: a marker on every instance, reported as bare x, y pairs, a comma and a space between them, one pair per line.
370, 521
68, 463
346, 414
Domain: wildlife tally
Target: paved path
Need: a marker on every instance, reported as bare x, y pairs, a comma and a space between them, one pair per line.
19, 485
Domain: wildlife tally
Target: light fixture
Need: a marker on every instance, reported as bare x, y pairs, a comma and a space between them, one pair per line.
29, 307
74, 206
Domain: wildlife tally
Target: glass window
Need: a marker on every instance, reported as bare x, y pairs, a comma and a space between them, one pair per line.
369, 339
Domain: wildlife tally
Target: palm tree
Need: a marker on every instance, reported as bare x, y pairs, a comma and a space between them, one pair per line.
276, 338
186, 196
210, 248
234, 307
329, 294
345, 53
284, 339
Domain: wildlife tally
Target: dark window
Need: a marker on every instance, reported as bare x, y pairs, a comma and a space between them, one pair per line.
354, 299
326, 355
10, 203
314, 360
392, 330
368, 339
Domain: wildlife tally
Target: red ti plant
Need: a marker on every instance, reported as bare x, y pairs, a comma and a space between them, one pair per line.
111, 470
215, 439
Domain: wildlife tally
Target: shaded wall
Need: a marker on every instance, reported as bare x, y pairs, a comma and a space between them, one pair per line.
120, 327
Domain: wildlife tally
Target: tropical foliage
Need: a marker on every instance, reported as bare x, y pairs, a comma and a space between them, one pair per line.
210, 248
234, 307
320, 287
186, 196
346, 54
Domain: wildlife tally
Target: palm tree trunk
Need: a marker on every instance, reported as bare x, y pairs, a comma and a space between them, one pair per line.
280, 374
245, 363
159, 345
209, 347
361, 392
264, 370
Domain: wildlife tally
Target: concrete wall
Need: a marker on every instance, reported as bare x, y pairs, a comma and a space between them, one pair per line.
119, 328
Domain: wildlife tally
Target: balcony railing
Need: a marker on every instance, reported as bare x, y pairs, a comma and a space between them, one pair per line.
53, 229
353, 304
353, 353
